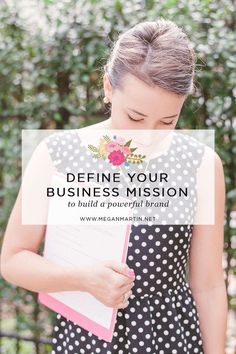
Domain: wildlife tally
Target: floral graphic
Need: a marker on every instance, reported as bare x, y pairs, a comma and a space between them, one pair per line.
116, 150
116, 157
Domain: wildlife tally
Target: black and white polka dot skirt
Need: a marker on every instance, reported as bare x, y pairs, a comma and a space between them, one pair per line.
162, 316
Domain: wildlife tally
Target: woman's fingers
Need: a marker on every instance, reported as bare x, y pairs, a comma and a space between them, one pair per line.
121, 304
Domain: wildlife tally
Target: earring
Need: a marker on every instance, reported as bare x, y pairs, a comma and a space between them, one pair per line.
106, 99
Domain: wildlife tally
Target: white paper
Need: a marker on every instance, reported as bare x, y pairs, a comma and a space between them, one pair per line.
83, 245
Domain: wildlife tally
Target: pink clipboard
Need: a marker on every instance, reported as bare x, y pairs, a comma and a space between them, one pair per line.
102, 332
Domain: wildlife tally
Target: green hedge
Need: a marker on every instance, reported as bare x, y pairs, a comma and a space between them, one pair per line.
51, 78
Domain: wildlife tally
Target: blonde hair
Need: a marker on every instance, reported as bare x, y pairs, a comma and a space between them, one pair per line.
158, 53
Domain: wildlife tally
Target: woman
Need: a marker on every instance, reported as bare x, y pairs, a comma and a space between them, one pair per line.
147, 78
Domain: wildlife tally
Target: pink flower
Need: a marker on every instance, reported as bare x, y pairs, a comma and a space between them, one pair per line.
111, 146
116, 157
125, 149
120, 140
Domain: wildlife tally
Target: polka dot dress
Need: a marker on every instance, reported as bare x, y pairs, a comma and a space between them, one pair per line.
162, 316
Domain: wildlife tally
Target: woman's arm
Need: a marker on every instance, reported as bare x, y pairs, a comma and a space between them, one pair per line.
206, 277
20, 263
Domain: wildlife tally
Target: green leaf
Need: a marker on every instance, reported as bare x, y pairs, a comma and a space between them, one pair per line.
106, 138
93, 148
128, 143
97, 156
232, 194
134, 158
57, 116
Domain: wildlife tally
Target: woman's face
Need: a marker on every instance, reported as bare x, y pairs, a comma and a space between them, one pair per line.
139, 106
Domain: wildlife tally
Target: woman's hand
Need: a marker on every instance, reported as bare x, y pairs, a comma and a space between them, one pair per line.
108, 281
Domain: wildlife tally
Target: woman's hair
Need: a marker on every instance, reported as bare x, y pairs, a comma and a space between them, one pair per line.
158, 53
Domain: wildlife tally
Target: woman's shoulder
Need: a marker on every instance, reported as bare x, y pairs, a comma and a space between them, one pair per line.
67, 136
61, 137
188, 140
188, 148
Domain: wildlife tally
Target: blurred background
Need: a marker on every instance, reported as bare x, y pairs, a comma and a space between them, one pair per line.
51, 64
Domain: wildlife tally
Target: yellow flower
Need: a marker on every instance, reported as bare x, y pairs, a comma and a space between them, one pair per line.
102, 147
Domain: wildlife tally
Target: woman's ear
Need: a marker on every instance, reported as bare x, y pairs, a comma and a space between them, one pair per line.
107, 87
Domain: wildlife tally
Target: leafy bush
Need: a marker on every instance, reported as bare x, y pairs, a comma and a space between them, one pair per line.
51, 77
